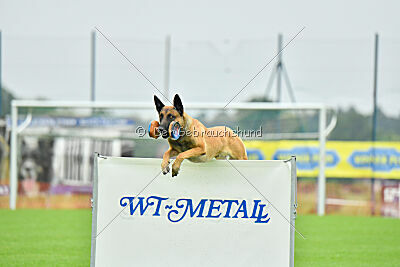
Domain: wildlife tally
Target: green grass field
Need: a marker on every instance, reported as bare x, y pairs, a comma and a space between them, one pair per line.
62, 238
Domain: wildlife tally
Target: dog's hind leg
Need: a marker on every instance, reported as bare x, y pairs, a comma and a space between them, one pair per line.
238, 156
222, 156
238, 150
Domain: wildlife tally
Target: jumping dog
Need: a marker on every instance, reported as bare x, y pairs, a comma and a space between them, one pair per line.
196, 143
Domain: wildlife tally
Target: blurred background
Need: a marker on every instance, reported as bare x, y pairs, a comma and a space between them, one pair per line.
346, 58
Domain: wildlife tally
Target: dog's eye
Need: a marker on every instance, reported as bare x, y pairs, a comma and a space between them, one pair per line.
161, 117
172, 117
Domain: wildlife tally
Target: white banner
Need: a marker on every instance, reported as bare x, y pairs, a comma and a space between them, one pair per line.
211, 214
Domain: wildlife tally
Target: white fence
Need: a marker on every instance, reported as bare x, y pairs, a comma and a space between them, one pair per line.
219, 213
321, 109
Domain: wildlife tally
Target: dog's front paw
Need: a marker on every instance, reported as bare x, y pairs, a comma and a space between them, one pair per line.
165, 170
175, 170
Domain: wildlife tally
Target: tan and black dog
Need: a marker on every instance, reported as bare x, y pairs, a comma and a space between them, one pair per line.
197, 143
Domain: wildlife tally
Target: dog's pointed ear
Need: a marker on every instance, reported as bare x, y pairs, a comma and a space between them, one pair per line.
159, 104
178, 104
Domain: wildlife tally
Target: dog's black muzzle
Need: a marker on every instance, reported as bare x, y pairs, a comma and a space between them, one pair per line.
163, 131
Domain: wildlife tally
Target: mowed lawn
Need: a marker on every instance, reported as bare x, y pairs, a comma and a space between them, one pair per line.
62, 238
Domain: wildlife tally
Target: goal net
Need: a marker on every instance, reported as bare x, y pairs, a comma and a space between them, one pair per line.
53, 143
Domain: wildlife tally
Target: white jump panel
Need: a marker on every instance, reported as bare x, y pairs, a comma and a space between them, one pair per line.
208, 215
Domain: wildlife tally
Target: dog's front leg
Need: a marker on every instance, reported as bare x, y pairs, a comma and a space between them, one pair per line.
167, 155
194, 152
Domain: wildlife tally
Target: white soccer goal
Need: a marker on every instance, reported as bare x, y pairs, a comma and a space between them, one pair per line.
28, 107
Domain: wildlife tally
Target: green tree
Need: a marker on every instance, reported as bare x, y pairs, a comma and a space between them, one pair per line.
6, 99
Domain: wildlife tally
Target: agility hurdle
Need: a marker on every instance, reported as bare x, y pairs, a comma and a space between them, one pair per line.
219, 213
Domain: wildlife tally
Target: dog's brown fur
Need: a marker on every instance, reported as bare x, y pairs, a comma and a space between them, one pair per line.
201, 144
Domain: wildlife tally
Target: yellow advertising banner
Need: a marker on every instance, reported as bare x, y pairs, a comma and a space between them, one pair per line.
344, 159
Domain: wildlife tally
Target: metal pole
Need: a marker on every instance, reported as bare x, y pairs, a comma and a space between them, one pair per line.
375, 88
399, 198
321, 174
13, 159
94, 209
293, 207
279, 79
167, 63
269, 85
93, 67
279, 70
374, 123
149, 105
288, 84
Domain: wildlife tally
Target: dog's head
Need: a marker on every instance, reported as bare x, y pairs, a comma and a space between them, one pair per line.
169, 114
30, 170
